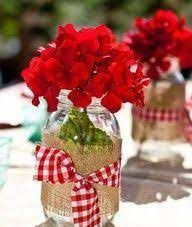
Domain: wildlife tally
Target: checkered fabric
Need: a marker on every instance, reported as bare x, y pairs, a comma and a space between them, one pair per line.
56, 166
169, 115
53, 165
149, 114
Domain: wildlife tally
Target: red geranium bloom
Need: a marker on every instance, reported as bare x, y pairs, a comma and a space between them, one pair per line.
184, 47
89, 63
157, 39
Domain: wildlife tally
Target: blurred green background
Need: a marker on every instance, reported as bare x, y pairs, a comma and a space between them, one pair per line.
27, 24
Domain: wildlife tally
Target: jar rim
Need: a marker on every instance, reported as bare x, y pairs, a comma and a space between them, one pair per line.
65, 102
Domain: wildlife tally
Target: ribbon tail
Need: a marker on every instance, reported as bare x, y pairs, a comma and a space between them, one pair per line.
85, 207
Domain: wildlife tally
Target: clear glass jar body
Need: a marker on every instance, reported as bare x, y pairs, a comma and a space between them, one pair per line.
87, 158
159, 138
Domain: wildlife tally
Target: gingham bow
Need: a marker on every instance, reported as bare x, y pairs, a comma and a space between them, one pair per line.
169, 115
56, 166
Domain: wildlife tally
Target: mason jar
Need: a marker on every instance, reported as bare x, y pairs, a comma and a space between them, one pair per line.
88, 156
159, 127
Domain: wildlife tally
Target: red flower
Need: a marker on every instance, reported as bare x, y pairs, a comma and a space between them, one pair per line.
98, 85
132, 86
89, 63
184, 47
157, 39
40, 77
80, 98
111, 102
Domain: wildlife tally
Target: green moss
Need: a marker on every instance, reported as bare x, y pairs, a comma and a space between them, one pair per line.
79, 129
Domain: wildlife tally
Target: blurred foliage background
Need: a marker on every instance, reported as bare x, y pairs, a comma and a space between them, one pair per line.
27, 24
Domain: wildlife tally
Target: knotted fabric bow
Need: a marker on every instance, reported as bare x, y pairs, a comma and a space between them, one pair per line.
56, 166
168, 115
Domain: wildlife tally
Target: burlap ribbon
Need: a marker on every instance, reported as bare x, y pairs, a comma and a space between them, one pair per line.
167, 115
55, 166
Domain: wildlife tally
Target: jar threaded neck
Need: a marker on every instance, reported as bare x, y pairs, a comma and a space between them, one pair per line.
65, 102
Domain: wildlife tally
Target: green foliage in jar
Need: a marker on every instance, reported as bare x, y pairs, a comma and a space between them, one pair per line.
78, 128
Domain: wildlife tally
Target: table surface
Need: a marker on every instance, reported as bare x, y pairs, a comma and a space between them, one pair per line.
20, 197
20, 203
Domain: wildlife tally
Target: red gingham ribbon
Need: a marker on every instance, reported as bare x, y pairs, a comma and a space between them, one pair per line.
169, 115
56, 166
149, 114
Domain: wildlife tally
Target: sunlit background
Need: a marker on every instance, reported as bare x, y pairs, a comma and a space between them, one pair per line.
28, 24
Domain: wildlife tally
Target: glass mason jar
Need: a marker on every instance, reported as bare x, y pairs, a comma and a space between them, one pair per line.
159, 126
89, 155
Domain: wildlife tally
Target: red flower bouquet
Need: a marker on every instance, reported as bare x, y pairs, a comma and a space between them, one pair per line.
184, 47
159, 39
89, 63
79, 159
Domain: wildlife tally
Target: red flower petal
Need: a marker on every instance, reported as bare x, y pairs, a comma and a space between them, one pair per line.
80, 71
51, 98
164, 65
76, 78
98, 85
111, 102
48, 53
153, 73
79, 98
35, 101
65, 32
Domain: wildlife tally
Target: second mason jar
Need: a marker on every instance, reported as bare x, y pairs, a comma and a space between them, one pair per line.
160, 125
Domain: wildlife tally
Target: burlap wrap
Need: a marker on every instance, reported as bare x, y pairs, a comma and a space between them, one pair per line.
161, 95
87, 159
